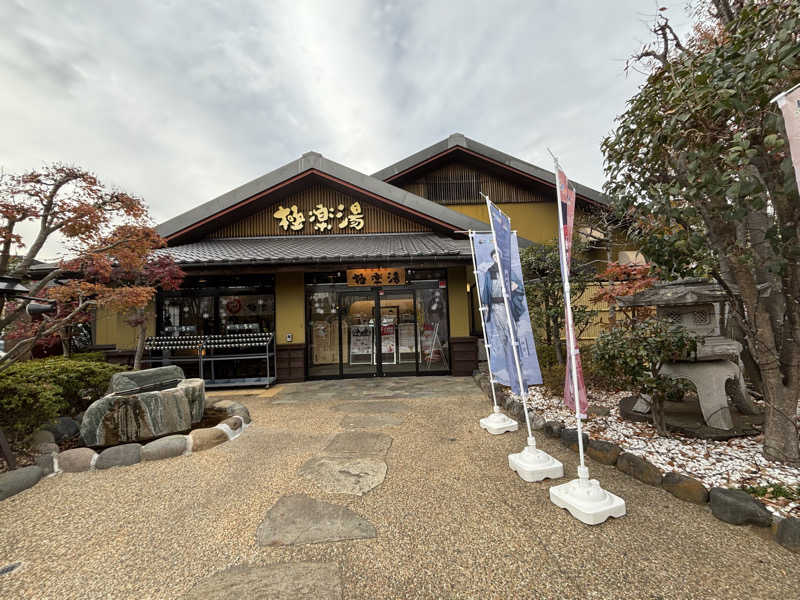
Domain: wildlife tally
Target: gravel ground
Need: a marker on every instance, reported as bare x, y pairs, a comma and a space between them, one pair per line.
452, 520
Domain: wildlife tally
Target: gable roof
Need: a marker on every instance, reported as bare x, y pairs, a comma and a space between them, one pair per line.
458, 142
314, 164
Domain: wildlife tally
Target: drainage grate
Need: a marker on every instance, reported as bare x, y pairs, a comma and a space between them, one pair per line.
9, 568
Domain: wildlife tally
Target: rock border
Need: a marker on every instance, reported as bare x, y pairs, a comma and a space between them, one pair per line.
726, 504
82, 459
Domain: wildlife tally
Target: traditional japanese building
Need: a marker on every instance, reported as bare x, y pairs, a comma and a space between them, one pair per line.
355, 275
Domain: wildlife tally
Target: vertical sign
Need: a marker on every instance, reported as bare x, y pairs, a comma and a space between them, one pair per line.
499, 274
566, 218
789, 103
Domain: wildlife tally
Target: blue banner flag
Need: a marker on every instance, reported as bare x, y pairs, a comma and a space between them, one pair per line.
498, 269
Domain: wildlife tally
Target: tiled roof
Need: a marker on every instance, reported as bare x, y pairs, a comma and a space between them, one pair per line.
319, 248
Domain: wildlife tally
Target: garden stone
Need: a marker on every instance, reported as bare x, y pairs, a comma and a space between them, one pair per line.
639, 468
595, 410
63, 428
234, 423
227, 408
738, 507
685, 488
299, 519
569, 438
345, 475
42, 436
537, 421
46, 462
47, 448
359, 443
284, 581
13, 482
552, 429
603, 452
76, 460
369, 421
129, 380
203, 439
788, 534
119, 456
166, 447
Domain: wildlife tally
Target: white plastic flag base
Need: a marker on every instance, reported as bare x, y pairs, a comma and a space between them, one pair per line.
586, 500
534, 465
497, 423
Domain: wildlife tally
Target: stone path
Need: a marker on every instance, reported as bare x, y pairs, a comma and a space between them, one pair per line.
450, 519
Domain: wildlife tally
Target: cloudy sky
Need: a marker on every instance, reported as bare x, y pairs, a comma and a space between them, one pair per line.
180, 101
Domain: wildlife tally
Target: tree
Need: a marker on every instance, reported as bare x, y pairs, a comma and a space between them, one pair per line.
132, 290
623, 280
541, 270
700, 162
101, 229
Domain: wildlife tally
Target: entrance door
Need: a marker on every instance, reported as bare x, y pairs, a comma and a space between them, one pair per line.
357, 316
399, 335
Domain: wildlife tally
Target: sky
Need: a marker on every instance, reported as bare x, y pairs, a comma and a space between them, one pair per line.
181, 101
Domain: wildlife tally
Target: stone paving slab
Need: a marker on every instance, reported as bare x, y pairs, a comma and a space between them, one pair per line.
386, 407
300, 519
285, 581
345, 475
371, 421
360, 443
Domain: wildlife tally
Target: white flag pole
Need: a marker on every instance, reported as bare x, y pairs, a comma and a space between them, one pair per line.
497, 422
582, 497
531, 464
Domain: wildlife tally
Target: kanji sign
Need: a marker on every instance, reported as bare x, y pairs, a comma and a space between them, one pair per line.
385, 276
322, 218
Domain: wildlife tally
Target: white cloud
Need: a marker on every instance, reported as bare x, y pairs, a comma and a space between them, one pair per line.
180, 101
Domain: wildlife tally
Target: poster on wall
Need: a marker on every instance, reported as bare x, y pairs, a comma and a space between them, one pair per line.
361, 344
497, 327
405, 345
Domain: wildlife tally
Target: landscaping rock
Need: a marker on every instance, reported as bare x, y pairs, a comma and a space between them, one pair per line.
603, 452
227, 408
166, 447
685, 488
284, 581
76, 460
129, 380
137, 417
46, 462
13, 482
203, 439
47, 448
738, 507
641, 469
195, 391
370, 421
119, 456
788, 534
298, 519
537, 421
234, 423
345, 475
595, 410
569, 438
63, 428
552, 429
42, 436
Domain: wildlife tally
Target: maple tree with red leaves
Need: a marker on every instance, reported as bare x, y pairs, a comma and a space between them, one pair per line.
108, 239
623, 280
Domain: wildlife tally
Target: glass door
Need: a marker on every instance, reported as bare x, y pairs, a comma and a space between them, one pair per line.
357, 318
399, 338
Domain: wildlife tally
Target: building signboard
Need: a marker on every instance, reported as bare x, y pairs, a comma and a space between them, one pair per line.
384, 276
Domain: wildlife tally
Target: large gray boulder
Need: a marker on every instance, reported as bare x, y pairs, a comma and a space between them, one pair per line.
13, 482
125, 415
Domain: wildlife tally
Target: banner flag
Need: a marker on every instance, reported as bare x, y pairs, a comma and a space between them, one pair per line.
498, 268
566, 201
789, 103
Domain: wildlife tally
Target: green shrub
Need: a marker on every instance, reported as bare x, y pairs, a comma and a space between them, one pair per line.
63, 384
89, 356
25, 405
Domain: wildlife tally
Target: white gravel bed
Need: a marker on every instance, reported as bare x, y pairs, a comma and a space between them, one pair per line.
731, 463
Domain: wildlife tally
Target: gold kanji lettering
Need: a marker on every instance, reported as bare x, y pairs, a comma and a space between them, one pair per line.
320, 217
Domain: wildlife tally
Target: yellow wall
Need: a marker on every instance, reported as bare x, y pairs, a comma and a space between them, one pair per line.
537, 222
290, 306
459, 302
111, 328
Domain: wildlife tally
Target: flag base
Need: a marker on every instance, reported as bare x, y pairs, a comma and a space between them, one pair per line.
497, 423
586, 500
534, 465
